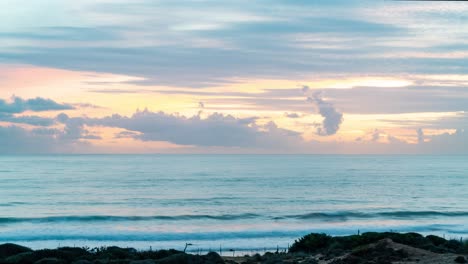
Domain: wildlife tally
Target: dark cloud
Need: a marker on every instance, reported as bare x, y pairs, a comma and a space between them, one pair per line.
38, 104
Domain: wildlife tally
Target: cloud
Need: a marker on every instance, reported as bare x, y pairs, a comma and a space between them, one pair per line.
420, 134
18, 140
87, 105
201, 105
65, 133
38, 104
244, 39
74, 129
39, 139
217, 133
412, 99
14, 139
30, 120
314, 24
292, 115
372, 100
332, 118
376, 135
64, 34
10, 110
215, 130
126, 134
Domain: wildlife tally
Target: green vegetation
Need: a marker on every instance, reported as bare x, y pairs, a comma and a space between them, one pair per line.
325, 244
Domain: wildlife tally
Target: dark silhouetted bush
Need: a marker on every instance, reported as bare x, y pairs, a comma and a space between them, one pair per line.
311, 243
22, 258
333, 246
460, 259
159, 254
50, 261
437, 241
7, 250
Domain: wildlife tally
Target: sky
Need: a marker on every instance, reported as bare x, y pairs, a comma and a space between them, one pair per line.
199, 76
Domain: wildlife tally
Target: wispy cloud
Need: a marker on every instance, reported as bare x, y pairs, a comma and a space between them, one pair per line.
236, 39
19, 105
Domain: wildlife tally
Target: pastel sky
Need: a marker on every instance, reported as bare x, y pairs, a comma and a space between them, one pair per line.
266, 76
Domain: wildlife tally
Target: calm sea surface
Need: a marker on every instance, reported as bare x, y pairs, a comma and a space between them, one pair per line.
242, 202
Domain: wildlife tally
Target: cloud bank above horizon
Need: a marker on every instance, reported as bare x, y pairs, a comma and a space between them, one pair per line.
233, 77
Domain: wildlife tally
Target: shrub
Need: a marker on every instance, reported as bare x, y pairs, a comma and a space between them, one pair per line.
311, 243
7, 250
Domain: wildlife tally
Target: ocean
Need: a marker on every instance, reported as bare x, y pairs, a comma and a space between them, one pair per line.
247, 203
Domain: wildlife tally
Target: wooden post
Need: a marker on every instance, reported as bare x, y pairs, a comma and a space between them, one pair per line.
186, 245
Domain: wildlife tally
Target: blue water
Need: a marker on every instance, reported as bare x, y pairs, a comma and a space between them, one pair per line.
243, 202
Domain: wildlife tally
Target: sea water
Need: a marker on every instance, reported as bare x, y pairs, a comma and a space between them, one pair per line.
240, 202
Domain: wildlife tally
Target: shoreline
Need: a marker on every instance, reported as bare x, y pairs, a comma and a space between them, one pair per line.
371, 247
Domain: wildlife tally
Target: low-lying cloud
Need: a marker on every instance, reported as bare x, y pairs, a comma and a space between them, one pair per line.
214, 130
